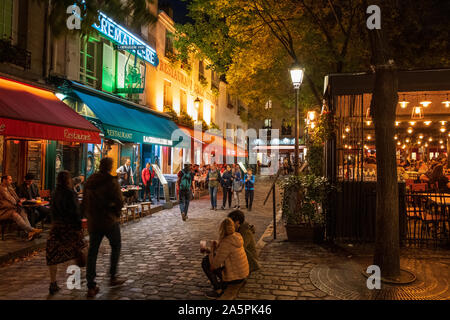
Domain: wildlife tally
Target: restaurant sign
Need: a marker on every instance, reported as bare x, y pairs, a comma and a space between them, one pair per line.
153, 140
123, 37
119, 134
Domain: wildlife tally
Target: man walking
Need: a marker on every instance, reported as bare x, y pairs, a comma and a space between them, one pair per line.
213, 180
102, 202
185, 178
227, 183
147, 178
249, 189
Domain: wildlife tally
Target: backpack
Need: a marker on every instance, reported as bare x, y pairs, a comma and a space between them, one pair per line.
186, 182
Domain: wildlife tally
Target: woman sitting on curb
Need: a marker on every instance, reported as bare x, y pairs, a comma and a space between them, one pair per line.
227, 262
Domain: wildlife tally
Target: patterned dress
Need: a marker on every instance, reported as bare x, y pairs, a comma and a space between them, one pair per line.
66, 238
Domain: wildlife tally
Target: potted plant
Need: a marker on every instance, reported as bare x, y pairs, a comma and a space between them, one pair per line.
302, 202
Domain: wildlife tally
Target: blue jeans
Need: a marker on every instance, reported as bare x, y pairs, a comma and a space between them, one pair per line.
95, 239
185, 198
213, 194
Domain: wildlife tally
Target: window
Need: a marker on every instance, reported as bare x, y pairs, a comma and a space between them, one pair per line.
268, 105
214, 79
88, 63
183, 101
286, 128
6, 14
268, 124
201, 70
167, 94
169, 44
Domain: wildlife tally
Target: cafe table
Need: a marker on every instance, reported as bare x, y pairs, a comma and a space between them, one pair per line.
31, 205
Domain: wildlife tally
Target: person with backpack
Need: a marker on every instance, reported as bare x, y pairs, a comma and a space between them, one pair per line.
185, 178
249, 179
237, 186
227, 183
213, 180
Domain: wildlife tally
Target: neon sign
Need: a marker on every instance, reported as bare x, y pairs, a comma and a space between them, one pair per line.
123, 37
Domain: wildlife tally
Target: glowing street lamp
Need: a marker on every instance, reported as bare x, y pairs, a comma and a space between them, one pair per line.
297, 73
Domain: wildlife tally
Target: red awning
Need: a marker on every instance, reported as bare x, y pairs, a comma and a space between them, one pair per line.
31, 112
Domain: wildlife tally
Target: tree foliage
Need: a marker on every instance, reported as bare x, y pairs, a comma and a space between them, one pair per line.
135, 12
254, 42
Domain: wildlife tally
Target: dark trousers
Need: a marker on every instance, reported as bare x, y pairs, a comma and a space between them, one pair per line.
215, 276
249, 198
147, 192
227, 194
38, 214
185, 198
95, 239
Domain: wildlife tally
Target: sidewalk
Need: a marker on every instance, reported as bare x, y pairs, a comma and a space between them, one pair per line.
305, 271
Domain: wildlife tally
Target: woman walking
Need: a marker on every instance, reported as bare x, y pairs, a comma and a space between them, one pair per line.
237, 186
249, 189
65, 241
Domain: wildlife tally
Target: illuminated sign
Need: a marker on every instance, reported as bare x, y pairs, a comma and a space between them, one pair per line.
153, 140
123, 37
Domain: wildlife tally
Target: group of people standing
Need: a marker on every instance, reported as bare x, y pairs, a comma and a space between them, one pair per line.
230, 180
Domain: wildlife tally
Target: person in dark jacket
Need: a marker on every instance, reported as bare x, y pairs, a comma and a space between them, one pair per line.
102, 203
247, 232
30, 191
227, 183
65, 241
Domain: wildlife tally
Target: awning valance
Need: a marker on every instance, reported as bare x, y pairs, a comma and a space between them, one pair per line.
128, 123
31, 112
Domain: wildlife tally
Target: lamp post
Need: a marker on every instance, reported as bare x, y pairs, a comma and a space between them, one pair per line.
297, 77
197, 107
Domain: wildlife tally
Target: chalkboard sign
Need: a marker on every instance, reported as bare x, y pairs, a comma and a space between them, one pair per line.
34, 159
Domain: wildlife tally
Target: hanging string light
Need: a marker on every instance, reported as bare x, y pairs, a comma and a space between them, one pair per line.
426, 102
446, 102
403, 103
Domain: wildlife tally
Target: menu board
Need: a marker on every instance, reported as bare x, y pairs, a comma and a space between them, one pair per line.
34, 159
242, 167
163, 181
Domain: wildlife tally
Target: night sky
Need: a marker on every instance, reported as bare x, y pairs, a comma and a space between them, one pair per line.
179, 10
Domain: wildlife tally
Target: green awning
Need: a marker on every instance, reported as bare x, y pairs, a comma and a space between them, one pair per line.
128, 123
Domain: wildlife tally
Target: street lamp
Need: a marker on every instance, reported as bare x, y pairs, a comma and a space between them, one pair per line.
197, 108
297, 73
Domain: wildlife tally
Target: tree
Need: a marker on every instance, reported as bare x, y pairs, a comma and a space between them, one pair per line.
253, 43
117, 9
386, 50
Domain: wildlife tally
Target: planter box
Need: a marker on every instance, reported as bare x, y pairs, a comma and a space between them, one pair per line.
305, 233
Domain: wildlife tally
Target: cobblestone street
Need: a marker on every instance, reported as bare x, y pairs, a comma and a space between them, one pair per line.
160, 257
161, 260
